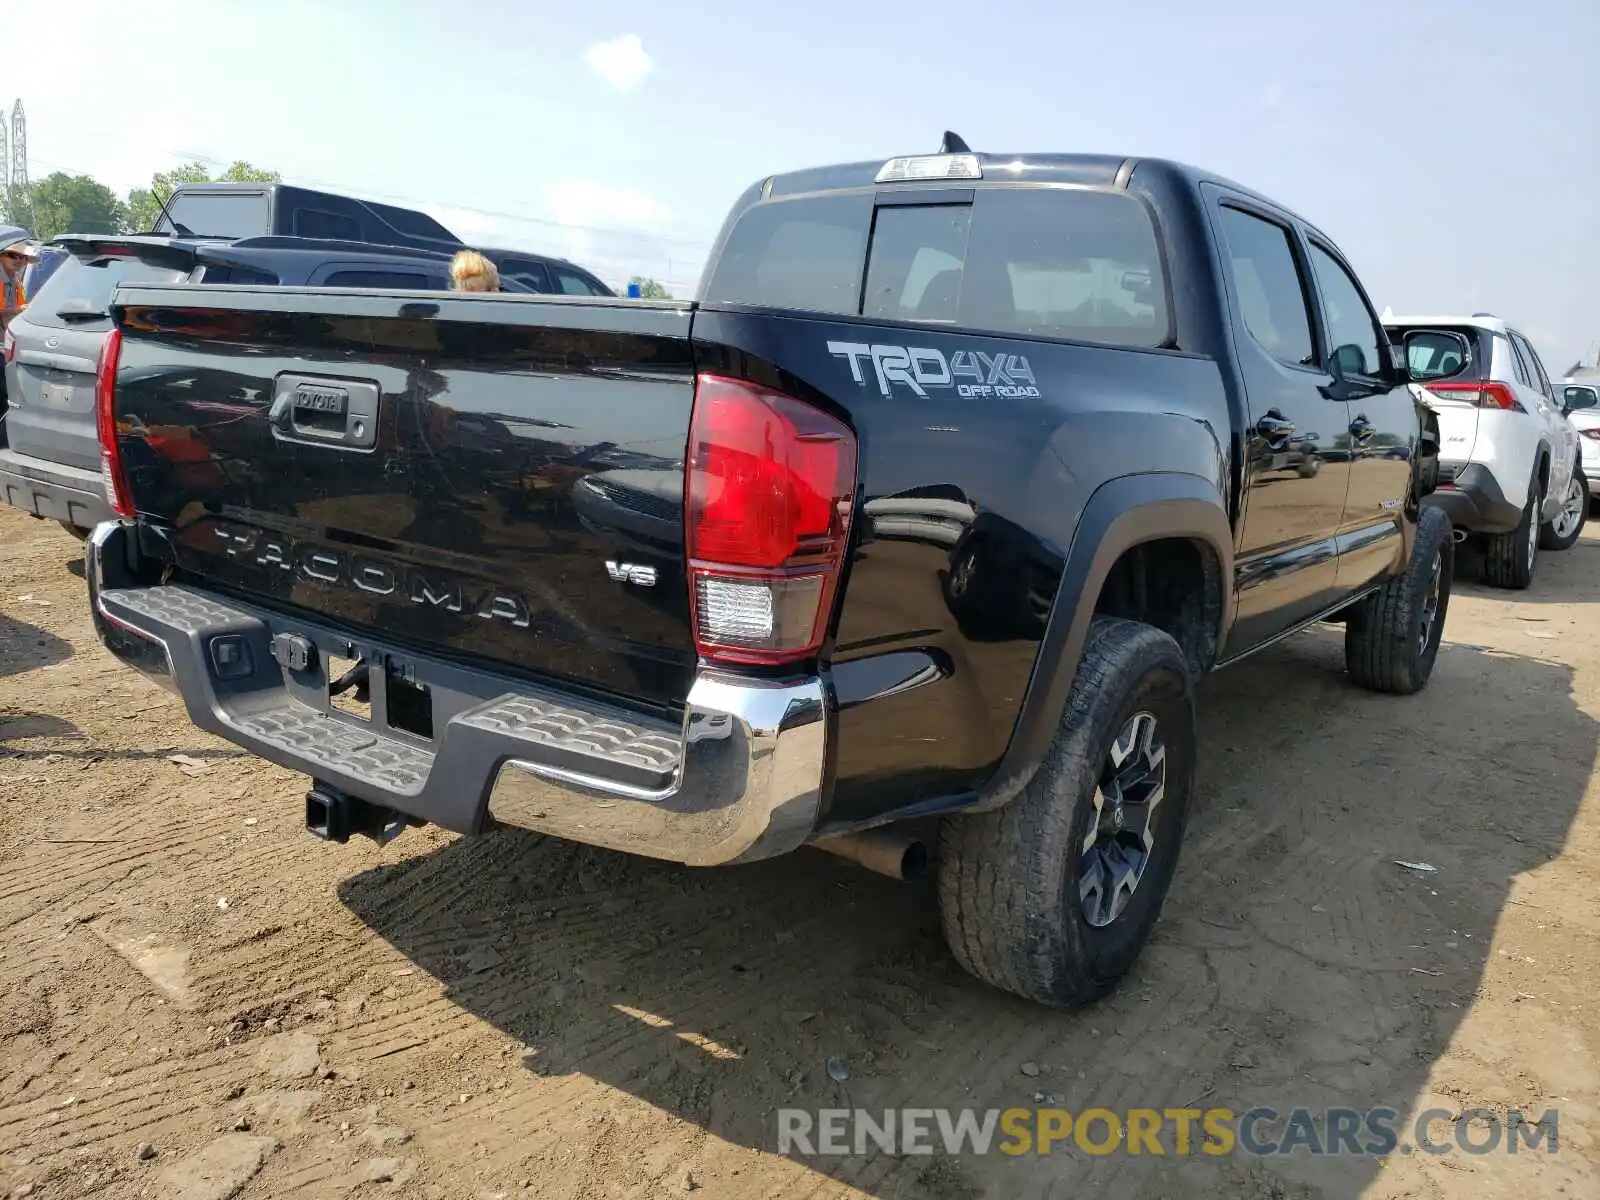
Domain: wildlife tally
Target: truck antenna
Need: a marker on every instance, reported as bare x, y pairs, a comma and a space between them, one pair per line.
953, 144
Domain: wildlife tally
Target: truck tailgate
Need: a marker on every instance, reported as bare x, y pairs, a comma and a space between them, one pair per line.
495, 477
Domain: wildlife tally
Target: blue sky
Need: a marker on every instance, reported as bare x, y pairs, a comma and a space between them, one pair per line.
1453, 150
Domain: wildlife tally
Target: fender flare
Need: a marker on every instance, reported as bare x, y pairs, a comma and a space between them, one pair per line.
1122, 513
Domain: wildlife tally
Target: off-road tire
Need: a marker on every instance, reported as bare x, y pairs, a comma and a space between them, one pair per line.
1009, 879
1549, 539
1508, 558
1385, 649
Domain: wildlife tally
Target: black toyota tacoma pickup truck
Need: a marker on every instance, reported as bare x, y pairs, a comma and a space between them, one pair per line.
932, 508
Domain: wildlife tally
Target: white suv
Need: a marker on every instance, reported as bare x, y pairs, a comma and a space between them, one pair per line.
1509, 469
1580, 400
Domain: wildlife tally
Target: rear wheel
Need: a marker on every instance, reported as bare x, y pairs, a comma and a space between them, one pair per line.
1508, 558
1563, 528
1391, 638
1053, 896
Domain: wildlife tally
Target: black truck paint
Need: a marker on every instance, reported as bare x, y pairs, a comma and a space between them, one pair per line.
524, 478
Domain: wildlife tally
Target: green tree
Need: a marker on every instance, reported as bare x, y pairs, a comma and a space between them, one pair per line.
144, 204
62, 203
649, 289
16, 207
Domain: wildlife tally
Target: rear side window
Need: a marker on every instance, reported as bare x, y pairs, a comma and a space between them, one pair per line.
402, 280
238, 275
1043, 262
319, 223
88, 286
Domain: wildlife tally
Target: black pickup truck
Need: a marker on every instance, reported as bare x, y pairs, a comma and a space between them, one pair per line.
930, 510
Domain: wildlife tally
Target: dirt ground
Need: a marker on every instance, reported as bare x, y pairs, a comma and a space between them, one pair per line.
196, 996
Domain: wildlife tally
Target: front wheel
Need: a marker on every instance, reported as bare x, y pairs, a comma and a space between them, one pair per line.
1053, 896
1563, 528
1391, 638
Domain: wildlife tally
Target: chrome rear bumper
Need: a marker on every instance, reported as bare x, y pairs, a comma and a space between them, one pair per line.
740, 778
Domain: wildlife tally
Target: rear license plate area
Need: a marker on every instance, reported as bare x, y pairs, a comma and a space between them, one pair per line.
380, 690
408, 704
57, 394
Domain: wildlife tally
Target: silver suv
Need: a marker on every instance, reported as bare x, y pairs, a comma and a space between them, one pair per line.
51, 464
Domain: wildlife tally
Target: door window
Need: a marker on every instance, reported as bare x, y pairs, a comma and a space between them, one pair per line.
1351, 324
1535, 367
1267, 287
573, 284
1519, 365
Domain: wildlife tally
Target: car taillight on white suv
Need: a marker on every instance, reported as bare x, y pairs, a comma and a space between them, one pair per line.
105, 416
1484, 395
769, 492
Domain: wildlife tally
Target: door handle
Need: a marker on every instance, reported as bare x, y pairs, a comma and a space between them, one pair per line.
1361, 429
338, 413
1274, 429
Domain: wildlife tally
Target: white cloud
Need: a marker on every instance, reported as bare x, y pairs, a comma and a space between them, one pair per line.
621, 62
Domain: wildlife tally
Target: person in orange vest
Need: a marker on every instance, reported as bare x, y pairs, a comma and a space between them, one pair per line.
15, 252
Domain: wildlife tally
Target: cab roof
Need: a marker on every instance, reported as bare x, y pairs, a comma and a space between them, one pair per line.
1084, 170
1487, 321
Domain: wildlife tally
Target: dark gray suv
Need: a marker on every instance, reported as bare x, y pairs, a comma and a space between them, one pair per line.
51, 464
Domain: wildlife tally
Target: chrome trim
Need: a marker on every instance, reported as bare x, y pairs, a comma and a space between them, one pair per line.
748, 784
103, 568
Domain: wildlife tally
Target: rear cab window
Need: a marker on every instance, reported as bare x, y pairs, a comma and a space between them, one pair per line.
1077, 264
87, 287
219, 214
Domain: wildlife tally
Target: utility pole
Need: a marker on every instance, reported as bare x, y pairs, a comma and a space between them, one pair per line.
5, 166
19, 153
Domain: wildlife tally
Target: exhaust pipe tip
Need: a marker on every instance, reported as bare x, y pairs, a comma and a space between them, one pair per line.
1460, 535
899, 856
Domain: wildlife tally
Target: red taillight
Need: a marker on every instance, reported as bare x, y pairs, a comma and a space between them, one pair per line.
1483, 395
105, 418
1592, 434
770, 486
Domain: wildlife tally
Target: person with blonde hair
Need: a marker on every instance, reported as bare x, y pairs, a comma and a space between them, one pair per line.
473, 272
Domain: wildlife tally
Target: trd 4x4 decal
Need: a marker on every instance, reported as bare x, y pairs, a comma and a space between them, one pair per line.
972, 373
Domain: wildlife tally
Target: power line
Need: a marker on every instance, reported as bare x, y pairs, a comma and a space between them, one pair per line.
468, 208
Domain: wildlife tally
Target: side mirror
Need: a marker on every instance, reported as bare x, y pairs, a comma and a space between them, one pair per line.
1575, 399
1429, 355
1346, 362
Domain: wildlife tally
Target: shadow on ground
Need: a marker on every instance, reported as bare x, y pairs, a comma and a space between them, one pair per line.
1296, 962
25, 647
